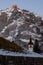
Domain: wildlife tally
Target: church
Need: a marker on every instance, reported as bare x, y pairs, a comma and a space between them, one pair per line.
30, 45
34, 47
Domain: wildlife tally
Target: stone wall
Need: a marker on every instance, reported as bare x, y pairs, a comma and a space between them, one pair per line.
9, 60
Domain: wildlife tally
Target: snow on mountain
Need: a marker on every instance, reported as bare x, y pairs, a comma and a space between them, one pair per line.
24, 40
36, 14
3, 29
17, 25
9, 38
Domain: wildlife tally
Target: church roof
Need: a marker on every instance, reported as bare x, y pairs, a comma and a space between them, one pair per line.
30, 42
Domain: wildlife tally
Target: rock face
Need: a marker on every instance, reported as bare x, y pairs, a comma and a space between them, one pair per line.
17, 25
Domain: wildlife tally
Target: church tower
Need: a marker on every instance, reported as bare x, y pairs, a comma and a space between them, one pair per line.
30, 45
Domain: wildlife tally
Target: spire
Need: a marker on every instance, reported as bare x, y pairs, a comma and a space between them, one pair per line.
30, 42
30, 39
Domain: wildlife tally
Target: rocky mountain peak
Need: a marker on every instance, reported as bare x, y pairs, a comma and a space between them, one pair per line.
14, 6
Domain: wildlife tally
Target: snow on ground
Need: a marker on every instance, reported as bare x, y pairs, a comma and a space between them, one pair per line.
9, 53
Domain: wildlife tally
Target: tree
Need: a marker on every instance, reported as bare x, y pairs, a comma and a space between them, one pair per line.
36, 47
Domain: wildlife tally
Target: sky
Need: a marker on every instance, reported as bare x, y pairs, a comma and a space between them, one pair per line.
35, 6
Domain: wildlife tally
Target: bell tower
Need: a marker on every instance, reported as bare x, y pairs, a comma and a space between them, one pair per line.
30, 45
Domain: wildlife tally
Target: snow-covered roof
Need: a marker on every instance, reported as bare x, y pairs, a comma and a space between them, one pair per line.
9, 53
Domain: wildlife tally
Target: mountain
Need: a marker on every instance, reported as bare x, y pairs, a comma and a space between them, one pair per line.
18, 24
10, 46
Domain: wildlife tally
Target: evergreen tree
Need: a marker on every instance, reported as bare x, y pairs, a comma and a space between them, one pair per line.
36, 47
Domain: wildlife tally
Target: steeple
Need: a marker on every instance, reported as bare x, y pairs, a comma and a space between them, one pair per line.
30, 45
30, 42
